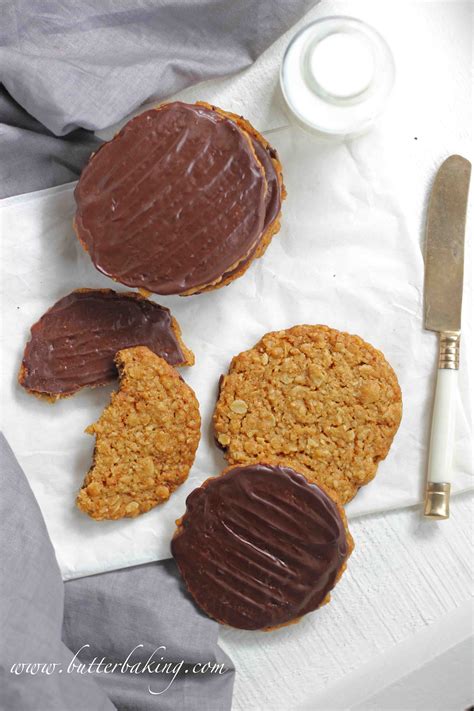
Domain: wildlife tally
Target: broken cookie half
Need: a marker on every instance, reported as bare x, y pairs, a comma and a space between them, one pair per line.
146, 439
73, 344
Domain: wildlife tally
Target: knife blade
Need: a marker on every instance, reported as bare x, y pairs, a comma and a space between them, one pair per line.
444, 247
444, 267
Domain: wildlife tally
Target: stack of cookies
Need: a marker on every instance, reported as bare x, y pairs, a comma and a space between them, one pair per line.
181, 201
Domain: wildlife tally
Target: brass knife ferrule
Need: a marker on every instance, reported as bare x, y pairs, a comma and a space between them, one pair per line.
449, 343
437, 500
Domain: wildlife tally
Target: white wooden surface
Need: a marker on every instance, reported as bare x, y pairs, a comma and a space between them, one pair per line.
405, 575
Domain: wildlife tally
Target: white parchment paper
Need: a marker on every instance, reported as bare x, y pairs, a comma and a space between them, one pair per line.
348, 255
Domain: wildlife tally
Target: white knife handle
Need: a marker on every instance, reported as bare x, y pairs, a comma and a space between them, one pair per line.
442, 429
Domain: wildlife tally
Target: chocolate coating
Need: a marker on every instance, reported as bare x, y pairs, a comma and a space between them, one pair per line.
272, 200
74, 343
173, 202
273, 194
259, 546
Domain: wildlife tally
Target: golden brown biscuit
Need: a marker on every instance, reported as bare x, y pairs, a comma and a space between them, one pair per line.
146, 439
322, 401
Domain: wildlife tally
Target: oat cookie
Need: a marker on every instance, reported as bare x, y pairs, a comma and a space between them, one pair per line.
177, 201
259, 546
321, 400
74, 343
146, 439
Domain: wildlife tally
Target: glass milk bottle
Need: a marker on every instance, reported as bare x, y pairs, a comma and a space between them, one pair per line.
336, 76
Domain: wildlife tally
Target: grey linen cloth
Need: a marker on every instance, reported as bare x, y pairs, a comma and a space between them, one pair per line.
79, 67
128, 616
31, 605
67, 69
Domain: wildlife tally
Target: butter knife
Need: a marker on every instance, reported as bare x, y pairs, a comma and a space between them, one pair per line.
444, 262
